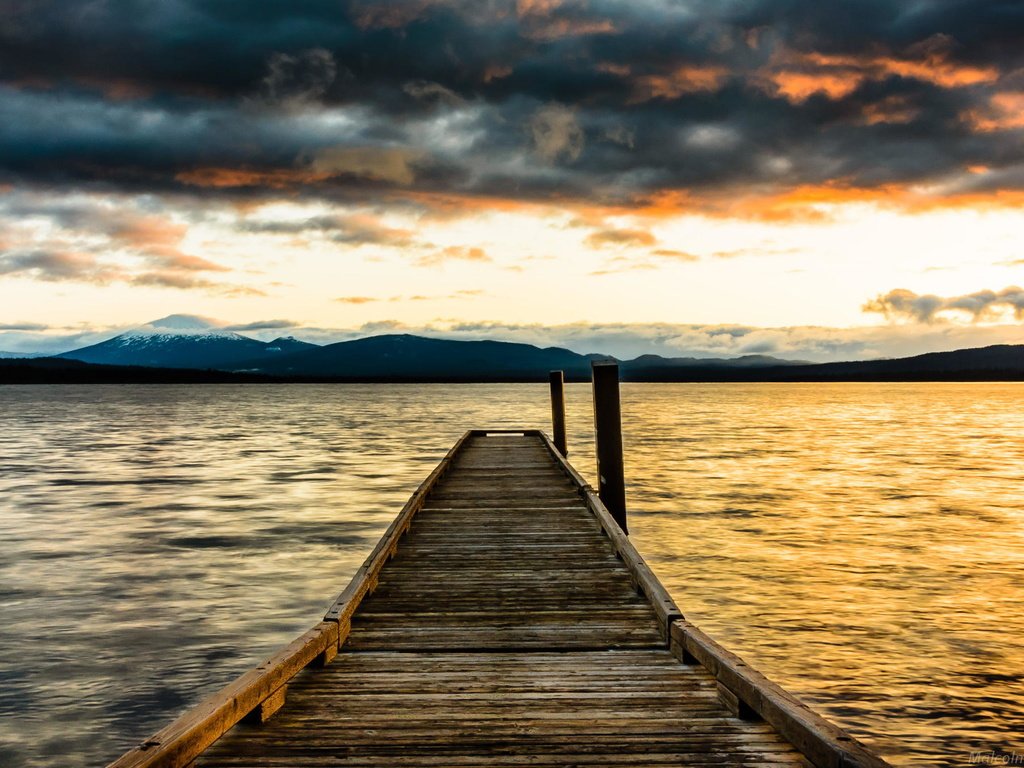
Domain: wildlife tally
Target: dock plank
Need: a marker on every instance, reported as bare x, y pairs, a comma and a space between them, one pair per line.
504, 619
506, 630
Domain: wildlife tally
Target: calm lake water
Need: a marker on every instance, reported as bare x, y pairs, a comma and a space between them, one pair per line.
860, 543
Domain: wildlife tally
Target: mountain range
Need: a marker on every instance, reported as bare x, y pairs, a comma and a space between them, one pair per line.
187, 342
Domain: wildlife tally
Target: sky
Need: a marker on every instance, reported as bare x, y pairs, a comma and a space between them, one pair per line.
810, 180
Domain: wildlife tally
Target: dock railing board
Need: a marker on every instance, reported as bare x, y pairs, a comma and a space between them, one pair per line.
744, 694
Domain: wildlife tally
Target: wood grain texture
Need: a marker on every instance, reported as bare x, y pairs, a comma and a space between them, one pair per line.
506, 620
506, 629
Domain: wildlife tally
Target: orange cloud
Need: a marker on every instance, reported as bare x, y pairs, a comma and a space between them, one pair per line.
226, 178
934, 66
680, 81
1005, 113
799, 75
893, 109
540, 20
797, 87
808, 203
453, 253
159, 239
812, 203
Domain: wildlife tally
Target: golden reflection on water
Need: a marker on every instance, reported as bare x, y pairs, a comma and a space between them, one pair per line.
860, 543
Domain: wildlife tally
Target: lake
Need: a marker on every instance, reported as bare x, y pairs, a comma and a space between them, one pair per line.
860, 543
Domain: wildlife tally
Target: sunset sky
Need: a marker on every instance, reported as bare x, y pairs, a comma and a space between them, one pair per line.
804, 179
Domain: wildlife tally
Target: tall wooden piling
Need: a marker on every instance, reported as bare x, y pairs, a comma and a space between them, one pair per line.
557, 379
608, 434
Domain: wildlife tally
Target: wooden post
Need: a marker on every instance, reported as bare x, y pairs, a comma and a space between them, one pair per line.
558, 411
608, 433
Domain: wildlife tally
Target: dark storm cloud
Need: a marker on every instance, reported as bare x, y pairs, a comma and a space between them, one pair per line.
563, 100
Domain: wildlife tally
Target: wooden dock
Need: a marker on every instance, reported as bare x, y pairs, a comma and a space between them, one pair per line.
504, 619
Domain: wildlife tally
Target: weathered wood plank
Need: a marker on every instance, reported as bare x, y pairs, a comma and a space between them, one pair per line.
505, 620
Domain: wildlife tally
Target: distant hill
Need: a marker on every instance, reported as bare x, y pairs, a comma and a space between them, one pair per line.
415, 358
55, 370
998, 362
6, 355
655, 362
185, 341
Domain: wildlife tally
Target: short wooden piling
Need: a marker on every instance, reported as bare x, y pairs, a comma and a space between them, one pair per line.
558, 411
608, 437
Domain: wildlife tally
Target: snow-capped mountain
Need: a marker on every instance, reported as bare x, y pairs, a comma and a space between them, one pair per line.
183, 341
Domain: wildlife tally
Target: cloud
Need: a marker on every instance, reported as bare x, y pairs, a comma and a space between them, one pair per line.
798, 76
299, 78
736, 253
454, 253
549, 20
155, 237
678, 81
467, 293
1004, 112
902, 304
424, 90
387, 164
23, 327
668, 253
115, 241
350, 229
556, 133
264, 325
719, 108
56, 266
69, 266
182, 281
620, 237
357, 299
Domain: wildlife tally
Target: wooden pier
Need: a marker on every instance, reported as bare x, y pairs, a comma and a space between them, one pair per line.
504, 619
